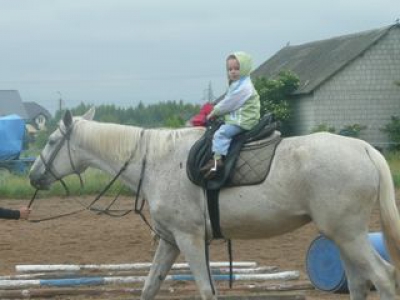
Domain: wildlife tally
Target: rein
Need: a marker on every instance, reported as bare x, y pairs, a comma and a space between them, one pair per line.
138, 208
66, 137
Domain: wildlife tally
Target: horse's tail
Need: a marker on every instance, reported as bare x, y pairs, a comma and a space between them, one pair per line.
389, 213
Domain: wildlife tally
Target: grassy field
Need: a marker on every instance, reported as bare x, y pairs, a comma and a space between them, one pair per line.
18, 187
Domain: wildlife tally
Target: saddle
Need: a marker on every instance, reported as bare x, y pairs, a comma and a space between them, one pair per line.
248, 159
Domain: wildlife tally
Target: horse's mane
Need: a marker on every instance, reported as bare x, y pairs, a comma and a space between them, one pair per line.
118, 143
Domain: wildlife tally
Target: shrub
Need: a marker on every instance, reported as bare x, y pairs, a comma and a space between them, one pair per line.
352, 130
392, 129
324, 127
275, 92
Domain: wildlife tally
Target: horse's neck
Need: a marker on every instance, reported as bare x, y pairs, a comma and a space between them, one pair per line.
115, 144
163, 144
111, 144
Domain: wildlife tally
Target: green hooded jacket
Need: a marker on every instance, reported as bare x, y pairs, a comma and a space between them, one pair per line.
241, 104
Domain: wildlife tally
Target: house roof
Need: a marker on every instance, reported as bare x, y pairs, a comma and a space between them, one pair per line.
33, 110
316, 62
11, 103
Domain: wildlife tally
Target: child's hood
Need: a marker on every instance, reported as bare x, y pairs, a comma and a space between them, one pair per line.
245, 62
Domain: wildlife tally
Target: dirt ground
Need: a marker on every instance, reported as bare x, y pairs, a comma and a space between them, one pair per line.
90, 238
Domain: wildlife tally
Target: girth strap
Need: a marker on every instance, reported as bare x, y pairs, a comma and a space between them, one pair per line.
213, 211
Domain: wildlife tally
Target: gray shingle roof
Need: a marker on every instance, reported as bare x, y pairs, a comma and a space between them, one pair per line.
11, 103
316, 62
33, 110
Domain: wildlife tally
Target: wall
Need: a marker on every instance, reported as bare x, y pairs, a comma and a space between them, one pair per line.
364, 92
302, 120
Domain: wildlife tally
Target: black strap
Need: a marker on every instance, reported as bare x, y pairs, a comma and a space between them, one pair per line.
106, 188
207, 250
213, 210
230, 264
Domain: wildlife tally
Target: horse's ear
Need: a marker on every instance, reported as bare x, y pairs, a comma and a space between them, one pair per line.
67, 119
89, 115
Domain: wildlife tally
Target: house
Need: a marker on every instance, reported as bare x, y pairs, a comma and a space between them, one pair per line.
37, 115
345, 80
11, 103
34, 115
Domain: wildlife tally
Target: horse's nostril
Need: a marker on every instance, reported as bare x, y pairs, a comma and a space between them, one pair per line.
33, 182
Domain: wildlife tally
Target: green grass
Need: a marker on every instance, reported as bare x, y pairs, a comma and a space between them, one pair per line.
18, 187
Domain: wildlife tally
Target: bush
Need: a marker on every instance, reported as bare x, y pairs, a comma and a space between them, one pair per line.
352, 130
275, 92
393, 131
393, 158
348, 130
324, 127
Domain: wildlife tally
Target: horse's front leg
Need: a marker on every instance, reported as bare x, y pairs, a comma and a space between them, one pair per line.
163, 260
193, 247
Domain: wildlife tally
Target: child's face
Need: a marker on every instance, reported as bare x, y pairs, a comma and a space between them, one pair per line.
233, 68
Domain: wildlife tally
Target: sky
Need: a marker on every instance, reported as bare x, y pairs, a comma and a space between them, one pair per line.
124, 52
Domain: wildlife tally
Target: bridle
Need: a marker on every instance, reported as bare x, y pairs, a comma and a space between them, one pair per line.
138, 206
66, 138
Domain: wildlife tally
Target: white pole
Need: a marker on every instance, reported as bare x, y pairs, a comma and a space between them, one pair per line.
18, 284
123, 267
69, 274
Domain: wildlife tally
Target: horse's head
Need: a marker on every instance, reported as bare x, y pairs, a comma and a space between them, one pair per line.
57, 159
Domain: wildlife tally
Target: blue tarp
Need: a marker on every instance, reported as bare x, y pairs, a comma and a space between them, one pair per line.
12, 132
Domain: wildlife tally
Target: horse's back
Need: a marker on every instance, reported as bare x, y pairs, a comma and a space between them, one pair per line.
324, 151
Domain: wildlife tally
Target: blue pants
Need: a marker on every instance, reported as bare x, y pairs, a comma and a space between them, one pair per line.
223, 137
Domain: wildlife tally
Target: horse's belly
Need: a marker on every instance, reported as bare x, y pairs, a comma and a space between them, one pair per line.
253, 217
253, 228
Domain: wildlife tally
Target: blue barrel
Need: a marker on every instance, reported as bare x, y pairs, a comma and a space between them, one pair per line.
324, 266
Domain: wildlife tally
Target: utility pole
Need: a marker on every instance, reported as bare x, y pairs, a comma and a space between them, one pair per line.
59, 101
209, 94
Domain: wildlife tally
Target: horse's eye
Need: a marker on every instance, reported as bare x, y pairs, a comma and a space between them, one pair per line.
52, 142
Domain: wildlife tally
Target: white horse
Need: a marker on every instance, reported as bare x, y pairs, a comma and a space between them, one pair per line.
331, 180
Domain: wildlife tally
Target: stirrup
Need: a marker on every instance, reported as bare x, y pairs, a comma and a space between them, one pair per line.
214, 169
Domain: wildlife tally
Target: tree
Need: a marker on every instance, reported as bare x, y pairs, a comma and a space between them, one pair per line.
174, 122
171, 114
275, 92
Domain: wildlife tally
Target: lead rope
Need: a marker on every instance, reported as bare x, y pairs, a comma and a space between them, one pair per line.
50, 218
88, 207
33, 198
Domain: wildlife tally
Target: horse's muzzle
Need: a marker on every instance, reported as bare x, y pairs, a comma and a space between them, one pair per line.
39, 182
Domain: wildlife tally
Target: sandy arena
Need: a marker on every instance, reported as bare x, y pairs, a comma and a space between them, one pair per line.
89, 238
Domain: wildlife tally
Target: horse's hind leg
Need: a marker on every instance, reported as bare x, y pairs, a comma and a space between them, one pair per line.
358, 285
163, 260
193, 248
364, 265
